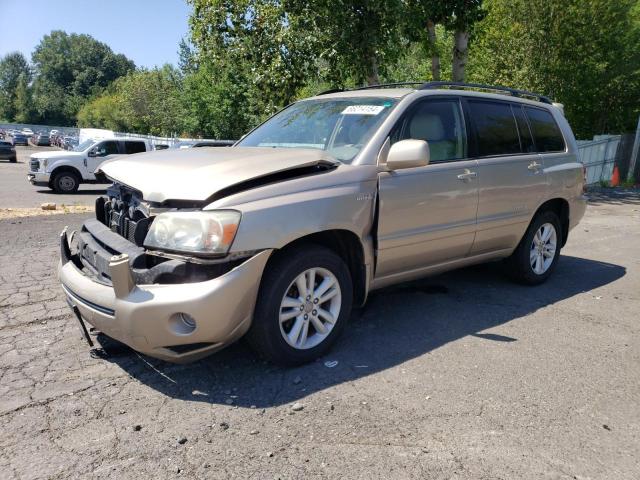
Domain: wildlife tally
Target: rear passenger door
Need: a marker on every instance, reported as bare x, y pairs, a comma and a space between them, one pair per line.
511, 175
133, 146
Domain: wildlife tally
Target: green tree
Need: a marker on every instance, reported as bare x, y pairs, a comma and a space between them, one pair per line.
356, 40
583, 53
23, 103
258, 44
104, 111
71, 68
144, 101
14, 68
457, 17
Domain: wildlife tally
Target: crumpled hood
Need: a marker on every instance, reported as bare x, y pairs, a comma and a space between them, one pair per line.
196, 174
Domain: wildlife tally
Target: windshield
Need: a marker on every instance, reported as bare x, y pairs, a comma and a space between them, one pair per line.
340, 126
84, 145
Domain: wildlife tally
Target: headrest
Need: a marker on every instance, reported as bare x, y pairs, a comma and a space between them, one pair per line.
426, 127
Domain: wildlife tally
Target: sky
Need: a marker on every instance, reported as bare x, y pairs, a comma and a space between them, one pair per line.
146, 31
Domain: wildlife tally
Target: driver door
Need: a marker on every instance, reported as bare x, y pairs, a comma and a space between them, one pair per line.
101, 152
427, 215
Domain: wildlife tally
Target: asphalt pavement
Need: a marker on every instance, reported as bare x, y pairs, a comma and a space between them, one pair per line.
461, 376
16, 191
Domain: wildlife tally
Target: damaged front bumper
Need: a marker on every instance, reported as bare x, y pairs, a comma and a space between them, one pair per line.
177, 322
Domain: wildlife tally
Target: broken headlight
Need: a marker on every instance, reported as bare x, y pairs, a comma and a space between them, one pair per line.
206, 233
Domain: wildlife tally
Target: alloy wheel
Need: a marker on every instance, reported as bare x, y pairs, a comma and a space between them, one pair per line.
310, 308
543, 249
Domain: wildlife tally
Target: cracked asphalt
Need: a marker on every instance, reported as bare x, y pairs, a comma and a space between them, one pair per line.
460, 376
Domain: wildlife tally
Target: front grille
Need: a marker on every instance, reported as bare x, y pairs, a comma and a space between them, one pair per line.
34, 165
122, 219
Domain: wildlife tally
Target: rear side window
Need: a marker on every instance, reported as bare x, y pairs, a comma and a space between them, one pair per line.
134, 147
496, 130
545, 130
526, 140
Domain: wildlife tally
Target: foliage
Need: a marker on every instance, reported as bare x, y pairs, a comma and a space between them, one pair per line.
70, 68
15, 76
144, 101
356, 40
254, 56
583, 53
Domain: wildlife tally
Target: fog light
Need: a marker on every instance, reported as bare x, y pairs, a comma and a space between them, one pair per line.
182, 323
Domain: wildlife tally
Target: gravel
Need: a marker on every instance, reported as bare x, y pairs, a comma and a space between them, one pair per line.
526, 383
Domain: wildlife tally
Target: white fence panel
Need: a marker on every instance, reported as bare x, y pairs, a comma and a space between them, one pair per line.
599, 156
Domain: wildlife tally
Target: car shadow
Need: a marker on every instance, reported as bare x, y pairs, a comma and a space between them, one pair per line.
79, 192
614, 196
396, 325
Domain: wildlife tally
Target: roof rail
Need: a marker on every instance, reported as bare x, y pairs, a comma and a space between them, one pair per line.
389, 85
331, 90
497, 88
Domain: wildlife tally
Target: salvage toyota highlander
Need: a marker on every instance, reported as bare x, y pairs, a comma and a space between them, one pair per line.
277, 237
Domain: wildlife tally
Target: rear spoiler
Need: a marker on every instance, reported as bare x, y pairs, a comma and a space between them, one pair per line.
559, 106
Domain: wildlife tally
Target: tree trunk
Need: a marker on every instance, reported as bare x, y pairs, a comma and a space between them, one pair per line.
433, 50
373, 78
460, 55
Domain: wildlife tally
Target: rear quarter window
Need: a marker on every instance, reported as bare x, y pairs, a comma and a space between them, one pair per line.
545, 130
134, 147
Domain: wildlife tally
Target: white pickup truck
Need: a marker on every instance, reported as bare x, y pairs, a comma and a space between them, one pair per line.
64, 171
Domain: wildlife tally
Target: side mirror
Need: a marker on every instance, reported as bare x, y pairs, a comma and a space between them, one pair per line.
408, 154
92, 153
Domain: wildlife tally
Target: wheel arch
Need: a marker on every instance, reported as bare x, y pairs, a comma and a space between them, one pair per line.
348, 246
560, 207
66, 168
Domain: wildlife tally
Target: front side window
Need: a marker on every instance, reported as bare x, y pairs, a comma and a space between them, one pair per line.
440, 124
495, 126
134, 147
546, 132
339, 126
106, 148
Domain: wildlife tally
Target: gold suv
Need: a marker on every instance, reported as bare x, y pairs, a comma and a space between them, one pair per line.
278, 236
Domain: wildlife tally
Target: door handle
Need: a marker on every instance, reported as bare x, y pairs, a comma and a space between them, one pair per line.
534, 166
467, 175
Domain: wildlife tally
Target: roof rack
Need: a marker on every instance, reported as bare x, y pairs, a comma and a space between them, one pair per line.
497, 88
388, 85
455, 85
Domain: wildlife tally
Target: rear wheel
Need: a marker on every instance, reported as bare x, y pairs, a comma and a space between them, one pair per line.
304, 303
537, 254
65, 182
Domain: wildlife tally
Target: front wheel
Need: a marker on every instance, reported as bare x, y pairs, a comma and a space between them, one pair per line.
65, 182
303, 305
537, 254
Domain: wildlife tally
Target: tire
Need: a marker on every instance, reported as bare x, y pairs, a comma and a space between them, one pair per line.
525, 265
267, 333
13, 159
65, 182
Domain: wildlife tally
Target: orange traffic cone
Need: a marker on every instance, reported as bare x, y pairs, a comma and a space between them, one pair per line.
615, 178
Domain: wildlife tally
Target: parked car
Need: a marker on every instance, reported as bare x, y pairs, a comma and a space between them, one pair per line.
19, 139
27, 132
69, 143
64, 171
8, 151
42, 139
335, 196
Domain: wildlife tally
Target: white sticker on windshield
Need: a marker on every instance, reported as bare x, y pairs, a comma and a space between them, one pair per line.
363, 110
